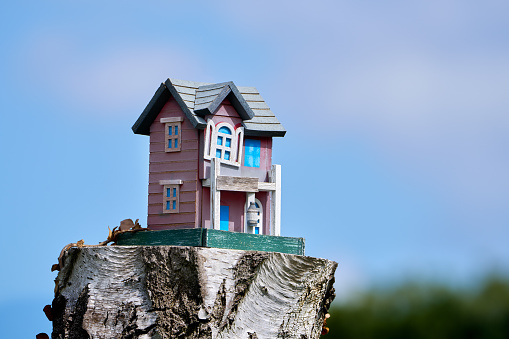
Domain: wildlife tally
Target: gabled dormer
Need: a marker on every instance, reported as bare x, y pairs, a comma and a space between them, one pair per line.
188, 96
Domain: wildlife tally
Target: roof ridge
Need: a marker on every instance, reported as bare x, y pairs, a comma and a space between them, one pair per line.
188, 94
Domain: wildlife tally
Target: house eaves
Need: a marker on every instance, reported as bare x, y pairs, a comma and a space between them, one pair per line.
197, 99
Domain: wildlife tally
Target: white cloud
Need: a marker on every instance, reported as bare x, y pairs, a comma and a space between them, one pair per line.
104, 81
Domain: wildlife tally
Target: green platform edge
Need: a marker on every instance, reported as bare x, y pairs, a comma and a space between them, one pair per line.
203, 237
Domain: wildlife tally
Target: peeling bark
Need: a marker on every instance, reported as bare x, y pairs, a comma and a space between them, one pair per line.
190, 292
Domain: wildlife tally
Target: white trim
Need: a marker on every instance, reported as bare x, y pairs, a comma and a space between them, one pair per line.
209, 130
170, 182
215, 195
223, 148
275, 177
171, 119
236, 143
266, 186
239, 138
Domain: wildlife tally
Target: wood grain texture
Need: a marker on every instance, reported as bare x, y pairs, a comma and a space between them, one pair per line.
215, 194
189, 292
237, 184
171, 119
215, 238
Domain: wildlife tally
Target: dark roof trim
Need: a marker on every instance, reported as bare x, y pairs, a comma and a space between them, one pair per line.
240, 104
193, 118
142, 125
258, 133
231, 92
163, 93
211, 108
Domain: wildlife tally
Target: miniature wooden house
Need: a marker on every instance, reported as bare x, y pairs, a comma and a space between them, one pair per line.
211, 158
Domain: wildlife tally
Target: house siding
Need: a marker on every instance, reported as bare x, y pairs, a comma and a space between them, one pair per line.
236, 201
182, 165
227, 113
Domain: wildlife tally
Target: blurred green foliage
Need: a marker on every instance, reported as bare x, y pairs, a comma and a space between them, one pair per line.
425, 311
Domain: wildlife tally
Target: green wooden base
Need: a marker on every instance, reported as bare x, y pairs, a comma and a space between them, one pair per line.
203, 237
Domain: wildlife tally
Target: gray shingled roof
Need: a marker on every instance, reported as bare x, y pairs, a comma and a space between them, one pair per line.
198, 99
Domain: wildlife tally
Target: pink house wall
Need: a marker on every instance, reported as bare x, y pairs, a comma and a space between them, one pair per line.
236, 201
181, 165
265, 160
186, 165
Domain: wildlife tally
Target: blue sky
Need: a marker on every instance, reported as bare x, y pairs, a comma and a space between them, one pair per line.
395, 164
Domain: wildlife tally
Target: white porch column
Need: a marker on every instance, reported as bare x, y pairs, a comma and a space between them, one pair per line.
250, 197
215, 195
275, 177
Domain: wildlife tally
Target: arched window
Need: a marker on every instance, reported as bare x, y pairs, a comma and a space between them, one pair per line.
258, 229
224, 143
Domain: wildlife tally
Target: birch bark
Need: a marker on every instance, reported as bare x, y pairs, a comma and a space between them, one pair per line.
190, 292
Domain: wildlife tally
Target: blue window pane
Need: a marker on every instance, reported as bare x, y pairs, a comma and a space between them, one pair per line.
226, 155
169, 130
228, 142
225, 130
252, 153
168, 205
174, 192
218, 153
219, 141
174, 204
257, 230
224, 217
176, 143
176, 130
168, 192
169, 143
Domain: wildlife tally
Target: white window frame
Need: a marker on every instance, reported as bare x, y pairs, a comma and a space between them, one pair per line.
211, 146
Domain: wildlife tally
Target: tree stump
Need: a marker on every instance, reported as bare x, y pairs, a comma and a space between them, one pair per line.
190, 292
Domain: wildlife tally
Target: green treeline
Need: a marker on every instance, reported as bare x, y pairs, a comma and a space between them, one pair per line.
418, 312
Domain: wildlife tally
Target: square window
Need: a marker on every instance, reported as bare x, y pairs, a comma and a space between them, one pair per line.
226, 155
171, 199
172, 138
228, 142
219, 141
218, 153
